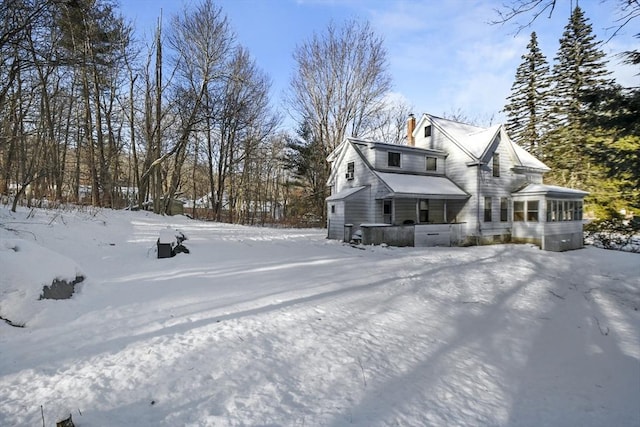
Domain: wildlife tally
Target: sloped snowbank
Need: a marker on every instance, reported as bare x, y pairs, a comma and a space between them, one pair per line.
282, 327
26, 268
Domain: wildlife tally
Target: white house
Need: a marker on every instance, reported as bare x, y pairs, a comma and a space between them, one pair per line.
452, 184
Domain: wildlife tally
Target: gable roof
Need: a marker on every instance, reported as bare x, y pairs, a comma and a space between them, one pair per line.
477, 142
526, 159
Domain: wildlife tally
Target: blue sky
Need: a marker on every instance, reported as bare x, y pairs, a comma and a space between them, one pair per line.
443, 55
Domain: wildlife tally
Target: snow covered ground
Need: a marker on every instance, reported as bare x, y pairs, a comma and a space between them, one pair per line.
281, 327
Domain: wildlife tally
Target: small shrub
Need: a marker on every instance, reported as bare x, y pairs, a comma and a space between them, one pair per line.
615, 233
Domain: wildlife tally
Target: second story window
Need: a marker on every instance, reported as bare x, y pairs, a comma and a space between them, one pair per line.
427, 131
350, 170
496, 164
394, 159
432, 163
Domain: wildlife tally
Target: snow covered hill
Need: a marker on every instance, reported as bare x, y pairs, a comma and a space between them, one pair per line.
281, 327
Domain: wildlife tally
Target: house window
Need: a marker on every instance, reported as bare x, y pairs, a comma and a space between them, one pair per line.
504, 209
427, 131
333, 209
518, 211
350, 170
487, 209
551, 214
394, 159
579, 210
424, 211
562, 210
532, 210
570, 210
386, 211
432, 163
496, 164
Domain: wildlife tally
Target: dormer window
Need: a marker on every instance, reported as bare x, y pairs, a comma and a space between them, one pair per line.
496, 164
393, 159
350, 170
427, 131
432, 163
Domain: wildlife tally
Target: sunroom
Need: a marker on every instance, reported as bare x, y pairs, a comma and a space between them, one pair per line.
548, 216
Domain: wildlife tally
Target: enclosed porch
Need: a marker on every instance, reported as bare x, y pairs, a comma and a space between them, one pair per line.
549, 216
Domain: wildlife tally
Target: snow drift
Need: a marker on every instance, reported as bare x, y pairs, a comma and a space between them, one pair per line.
282, 327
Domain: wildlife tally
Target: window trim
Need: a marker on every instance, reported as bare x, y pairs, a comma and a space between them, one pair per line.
350, 171
425, 211
519, 215
435, 163
533, 215
504, 209
488, 209
389, 154
560, 210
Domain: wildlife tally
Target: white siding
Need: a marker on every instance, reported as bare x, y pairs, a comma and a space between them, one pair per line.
358, 208
411, 160
335, 219
405, 210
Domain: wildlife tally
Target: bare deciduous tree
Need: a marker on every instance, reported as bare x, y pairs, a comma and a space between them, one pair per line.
339, 86
390, 125
340, 81
531, 10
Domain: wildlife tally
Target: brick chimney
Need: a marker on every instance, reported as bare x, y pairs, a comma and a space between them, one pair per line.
411, 126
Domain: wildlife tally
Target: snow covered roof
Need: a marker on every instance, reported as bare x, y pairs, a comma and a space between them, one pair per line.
550, 190
476, 141
526, 159
421, 186
344, 194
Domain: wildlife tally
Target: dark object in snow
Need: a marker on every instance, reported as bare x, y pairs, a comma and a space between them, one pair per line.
10, 323
60, 289
165, 250
170, 243
180, 248
68, 422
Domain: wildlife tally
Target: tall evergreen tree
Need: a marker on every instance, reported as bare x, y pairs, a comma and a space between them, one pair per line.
527, 108
303, 157
579, 70
614, 121
580, 67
